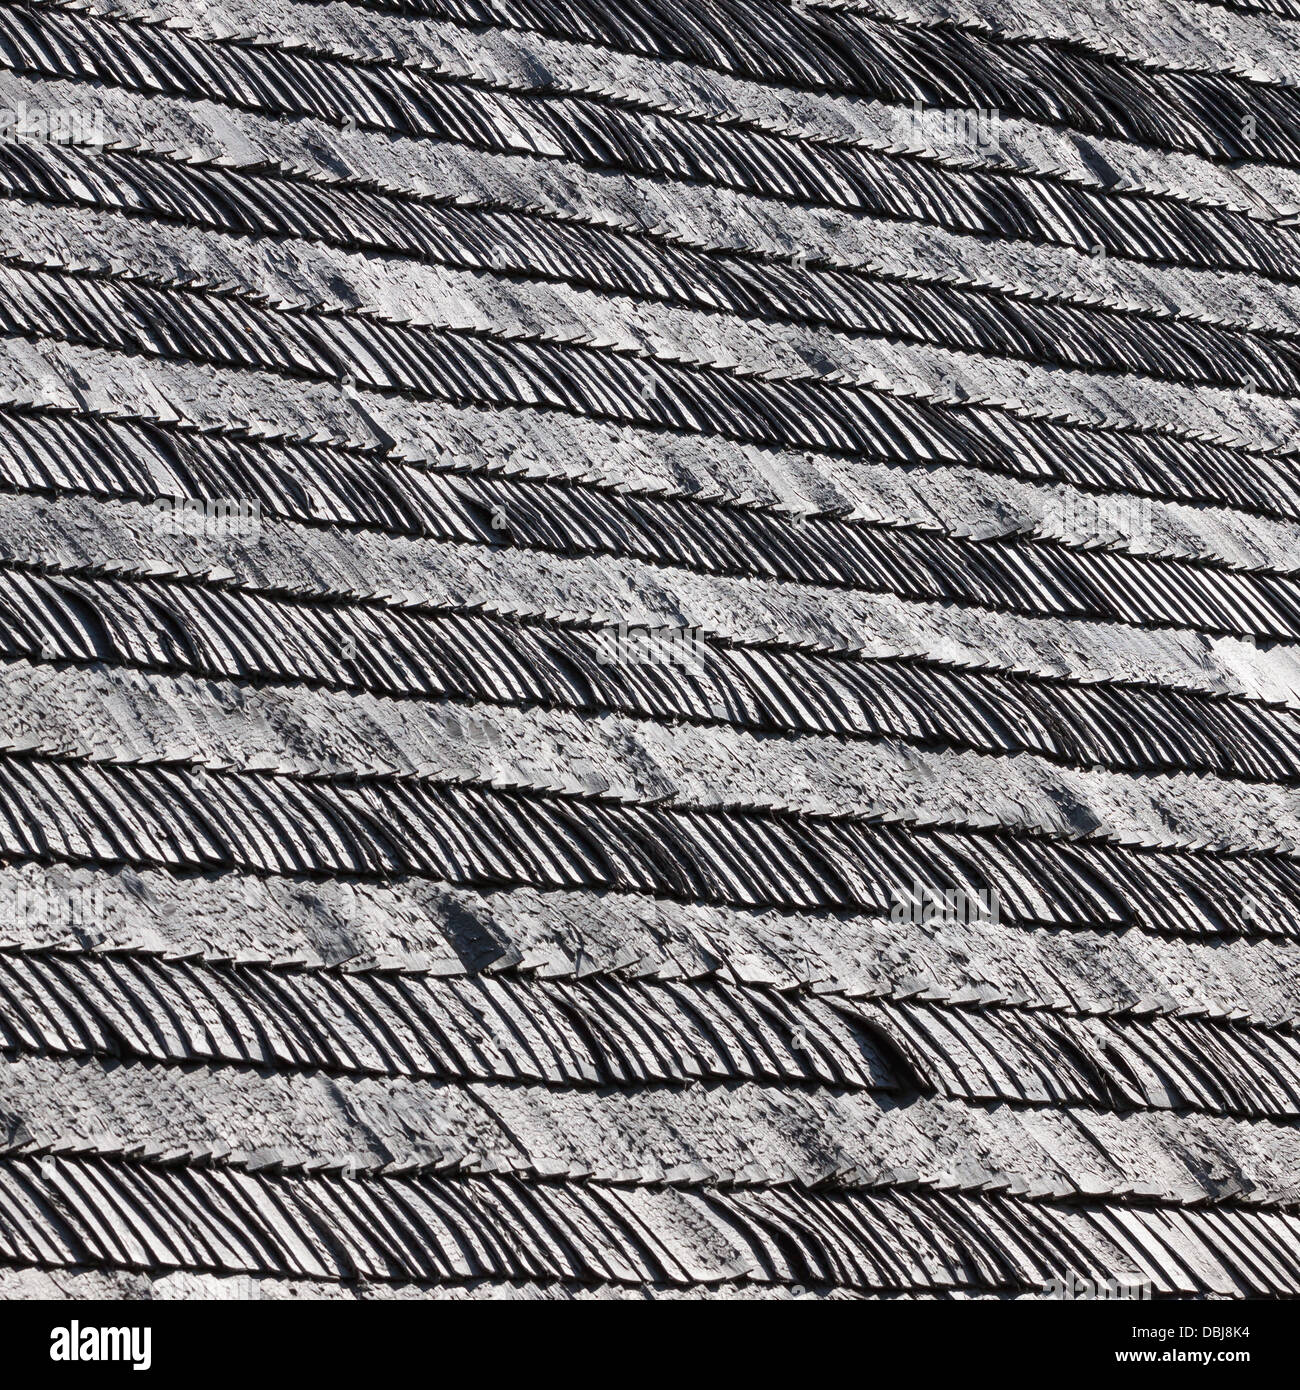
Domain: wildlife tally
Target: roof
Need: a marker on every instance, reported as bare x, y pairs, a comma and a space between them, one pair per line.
649, 648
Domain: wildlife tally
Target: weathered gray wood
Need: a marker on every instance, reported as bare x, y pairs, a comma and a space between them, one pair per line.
935, 905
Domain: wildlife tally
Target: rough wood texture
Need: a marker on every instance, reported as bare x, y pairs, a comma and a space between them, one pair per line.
649, 650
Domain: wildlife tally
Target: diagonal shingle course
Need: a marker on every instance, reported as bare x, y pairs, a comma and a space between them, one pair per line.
648, 650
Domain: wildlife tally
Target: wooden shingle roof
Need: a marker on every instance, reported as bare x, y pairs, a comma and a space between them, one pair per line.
649, 647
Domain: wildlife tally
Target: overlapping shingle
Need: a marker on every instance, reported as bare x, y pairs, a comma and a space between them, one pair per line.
649, 650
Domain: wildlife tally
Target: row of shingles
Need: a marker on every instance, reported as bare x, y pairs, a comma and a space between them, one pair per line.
840, 52
990, 591
250, 406
1003, 576
1206, 457
1185, 104
316, 283
477, 836
501, 60
790, 554
1171, 732
536, 665
560, 126
611, 1032
79, 1212
554, 500
187, 820
128, 539
138, 624
309, 1268
288, 403
601, 1033
1159, 35
922, 337
977, 1052
678, 214
209, 329
101, 557
159, 259
91, 173
875, 958
735, 471
1057, 412
513, 362
1045, 1059
145, 747
427, 929
742, 1134
1003, 231
324, 735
